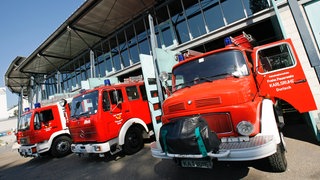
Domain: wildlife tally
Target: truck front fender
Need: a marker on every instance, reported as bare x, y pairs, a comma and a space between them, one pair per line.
56, 134
45, 146
127, 125
268, 120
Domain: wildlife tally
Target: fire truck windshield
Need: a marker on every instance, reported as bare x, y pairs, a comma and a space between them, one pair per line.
210, 68
85, 104
24, 122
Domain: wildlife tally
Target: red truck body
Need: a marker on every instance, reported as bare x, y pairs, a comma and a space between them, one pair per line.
42, 130
237, 91
110, 118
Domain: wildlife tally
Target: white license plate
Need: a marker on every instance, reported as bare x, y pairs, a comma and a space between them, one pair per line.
197, 163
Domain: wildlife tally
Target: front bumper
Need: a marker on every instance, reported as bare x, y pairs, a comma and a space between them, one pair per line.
91, 148
28, 151
257, 147
98, 148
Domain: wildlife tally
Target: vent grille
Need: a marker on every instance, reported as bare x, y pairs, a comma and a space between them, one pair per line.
176, 107
207, 102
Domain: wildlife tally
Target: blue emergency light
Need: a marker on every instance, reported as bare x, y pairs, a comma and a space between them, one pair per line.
180, 57
227, 41
107, 82
26, 109
37, 105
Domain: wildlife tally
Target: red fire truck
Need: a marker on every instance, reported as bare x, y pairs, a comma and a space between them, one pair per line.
43, 129
110, 118
226, 104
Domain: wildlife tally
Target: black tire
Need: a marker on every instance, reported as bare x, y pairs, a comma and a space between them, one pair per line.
278, 161
133, 141
61, 146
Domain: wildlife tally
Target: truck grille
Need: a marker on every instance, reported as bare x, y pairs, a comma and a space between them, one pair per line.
84, 134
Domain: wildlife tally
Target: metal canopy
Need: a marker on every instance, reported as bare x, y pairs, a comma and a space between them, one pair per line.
94, 21
15, 79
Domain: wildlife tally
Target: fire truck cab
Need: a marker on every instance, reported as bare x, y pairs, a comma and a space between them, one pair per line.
110, 118
43, 130
225, 104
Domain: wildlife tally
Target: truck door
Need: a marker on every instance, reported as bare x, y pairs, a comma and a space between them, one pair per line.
119, 109
42, 126
137, 106
279, 74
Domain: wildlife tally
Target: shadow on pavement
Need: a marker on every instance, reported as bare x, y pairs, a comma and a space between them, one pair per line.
297, 127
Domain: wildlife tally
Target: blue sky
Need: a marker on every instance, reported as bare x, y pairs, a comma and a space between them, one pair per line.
24, 25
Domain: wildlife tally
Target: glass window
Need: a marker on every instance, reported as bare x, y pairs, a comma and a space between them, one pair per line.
254, 6
210, 68
36, 122
105, 101
109, 64
123, 49
78, 78
313, 13
179, 22
141, 37
195, 19
24, 121
213, 14
85, 104
116, 60
73, 79
164, 27
83, 74
132, 93
125, 57
102, 69
274, 58
232, 10
116, 96
134, 53
144, 47
143, 92
46, 115
166, 34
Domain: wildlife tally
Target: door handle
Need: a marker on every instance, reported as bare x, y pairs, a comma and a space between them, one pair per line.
300, 81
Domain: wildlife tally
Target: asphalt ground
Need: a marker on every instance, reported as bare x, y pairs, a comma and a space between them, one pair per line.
303, 156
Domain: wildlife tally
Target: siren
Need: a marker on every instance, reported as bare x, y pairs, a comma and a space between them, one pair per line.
228, 41
37, 105
107, 82
26, 109
179, 57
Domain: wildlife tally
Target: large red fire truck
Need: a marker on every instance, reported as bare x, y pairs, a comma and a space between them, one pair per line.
110, 118
226, 104
43, 130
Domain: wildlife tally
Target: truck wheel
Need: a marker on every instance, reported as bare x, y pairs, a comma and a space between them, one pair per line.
278, 161
133, 141
61, 146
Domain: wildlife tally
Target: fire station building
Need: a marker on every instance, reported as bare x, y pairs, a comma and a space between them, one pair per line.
103, 38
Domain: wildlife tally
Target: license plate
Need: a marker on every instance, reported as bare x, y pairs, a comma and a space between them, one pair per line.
196, 163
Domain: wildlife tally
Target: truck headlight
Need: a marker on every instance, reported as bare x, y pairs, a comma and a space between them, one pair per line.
245, 128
